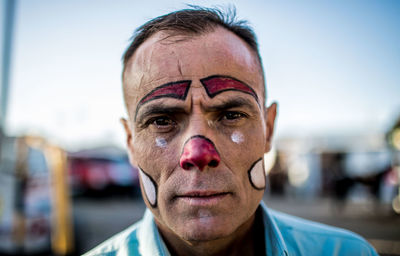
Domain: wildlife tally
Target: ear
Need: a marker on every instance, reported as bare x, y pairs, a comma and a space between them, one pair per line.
129, 143
270, 115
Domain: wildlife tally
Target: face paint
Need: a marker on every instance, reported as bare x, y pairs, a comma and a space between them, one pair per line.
199, 151
204, 216
215, 85
257, 175
237, 137
177, 90
161, 142
150, 187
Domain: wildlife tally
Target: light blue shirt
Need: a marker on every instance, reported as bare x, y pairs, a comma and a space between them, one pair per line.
284, 235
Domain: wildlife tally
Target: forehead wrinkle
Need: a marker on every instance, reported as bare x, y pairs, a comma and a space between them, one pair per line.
141, 62
163, 50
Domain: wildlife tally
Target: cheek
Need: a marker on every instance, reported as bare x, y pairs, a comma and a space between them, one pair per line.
161, 142
148, 148
242, 147
257, 175
156, 158
150, 187
237, 137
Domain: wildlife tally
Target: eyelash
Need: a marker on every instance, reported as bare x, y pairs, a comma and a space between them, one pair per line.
227, 117
159, 118
239, 115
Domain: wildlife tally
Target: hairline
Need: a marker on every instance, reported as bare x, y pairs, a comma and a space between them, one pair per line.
186, 35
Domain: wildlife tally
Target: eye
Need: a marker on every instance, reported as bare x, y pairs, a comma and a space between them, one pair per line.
233, 118
232, 115
161, 124
163, 121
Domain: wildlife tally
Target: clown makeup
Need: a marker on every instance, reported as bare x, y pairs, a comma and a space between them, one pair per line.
150, 187
237, 137
177, 90
161, 142
214, 133
217, 84
199, 152
257, 175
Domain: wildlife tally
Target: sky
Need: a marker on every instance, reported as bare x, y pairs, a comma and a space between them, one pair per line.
332, 66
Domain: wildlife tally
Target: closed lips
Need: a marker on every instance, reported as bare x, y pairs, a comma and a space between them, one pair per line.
203, 194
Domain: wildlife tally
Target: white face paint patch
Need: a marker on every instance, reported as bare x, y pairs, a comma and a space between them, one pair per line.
204, 216
237, 137
149, 187
161, 142
257, 175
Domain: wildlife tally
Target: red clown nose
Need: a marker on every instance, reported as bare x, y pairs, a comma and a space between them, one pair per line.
199, 152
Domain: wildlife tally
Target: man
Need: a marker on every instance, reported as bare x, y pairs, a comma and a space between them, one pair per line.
198, 129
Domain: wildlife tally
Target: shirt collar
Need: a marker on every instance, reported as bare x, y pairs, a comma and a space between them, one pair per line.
274, 243
150, 240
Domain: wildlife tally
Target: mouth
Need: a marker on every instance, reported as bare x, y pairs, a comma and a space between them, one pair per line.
202, 198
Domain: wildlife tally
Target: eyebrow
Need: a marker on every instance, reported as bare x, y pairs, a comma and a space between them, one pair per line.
157, 109
177, 90
217, 84
160, 109
231, 103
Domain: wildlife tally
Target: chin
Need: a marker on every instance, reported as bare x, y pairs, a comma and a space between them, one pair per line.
206, 229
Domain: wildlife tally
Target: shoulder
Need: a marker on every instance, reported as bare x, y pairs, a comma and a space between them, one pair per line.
125, 241
304, 236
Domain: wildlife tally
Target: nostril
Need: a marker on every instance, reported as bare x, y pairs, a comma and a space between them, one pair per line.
187, 165
213, 163
199, 152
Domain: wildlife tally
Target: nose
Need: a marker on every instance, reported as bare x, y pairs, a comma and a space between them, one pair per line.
199, 152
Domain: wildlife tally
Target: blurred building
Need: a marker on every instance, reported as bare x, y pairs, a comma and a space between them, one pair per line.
356, 168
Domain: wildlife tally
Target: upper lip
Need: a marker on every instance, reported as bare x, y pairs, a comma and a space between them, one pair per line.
202, 193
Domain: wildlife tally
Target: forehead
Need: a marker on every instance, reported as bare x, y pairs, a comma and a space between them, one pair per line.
161, 60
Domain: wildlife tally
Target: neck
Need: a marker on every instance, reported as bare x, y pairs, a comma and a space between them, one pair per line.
248, 239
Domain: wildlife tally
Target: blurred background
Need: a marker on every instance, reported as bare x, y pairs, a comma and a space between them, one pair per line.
65, 181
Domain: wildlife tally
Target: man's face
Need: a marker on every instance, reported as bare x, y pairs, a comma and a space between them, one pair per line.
198, 130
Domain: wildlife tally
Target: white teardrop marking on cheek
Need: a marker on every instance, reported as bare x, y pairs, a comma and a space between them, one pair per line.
149, 187
237, 137
161, 142
257, 175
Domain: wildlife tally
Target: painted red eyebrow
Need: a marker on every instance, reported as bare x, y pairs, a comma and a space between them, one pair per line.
177, 90
217, 84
